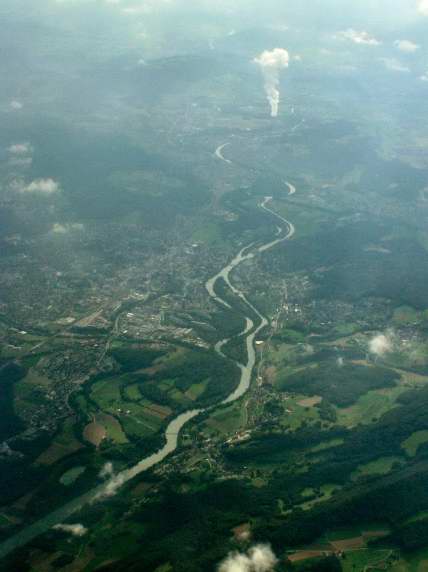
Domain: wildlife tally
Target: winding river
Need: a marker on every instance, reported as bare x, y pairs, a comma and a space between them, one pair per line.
219, 153
110, 487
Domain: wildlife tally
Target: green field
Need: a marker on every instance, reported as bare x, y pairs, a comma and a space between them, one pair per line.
411, 445
404, 315
370, 406
367, 559
381, 466
69, 477
132, 392
228, 420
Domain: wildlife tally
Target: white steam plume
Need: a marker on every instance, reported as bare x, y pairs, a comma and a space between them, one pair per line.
259, 558
271, 63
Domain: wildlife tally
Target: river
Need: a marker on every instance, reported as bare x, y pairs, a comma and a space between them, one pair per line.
111, 486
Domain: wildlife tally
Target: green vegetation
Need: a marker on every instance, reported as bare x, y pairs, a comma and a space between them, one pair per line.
339, 385
412, 444
373, 559
381, 466
325, 440
369, 407
10, 424
135, 357
405, 315
70, 476
227, 420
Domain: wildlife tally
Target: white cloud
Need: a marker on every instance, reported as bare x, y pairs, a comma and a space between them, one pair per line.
77, 530
424, 77
59, 228
42, 187
20, 149
380, 345
423, 7
133, 10
20, 161
111, 487
145, 7
406, 46
106, 471
236, 563
357, 37
262, 557
395, 65
259, 558
14, 104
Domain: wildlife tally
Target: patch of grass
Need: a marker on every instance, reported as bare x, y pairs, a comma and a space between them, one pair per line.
369, 407
113, 428
414, 562
359, 560
165, 568
295, 415
326, 492
412, 443
381, 466
106, 393
228, 420
346, 329
404, 315
307, 221
208, 233
132, 392
420, 516
340, 385
290, 336
135, 427
326, 445
64, 444
70, 476
196, 390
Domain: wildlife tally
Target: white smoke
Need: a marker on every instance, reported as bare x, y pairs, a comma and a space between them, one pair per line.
271, 63
381, 345
77, 530
259, 558
112, 486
